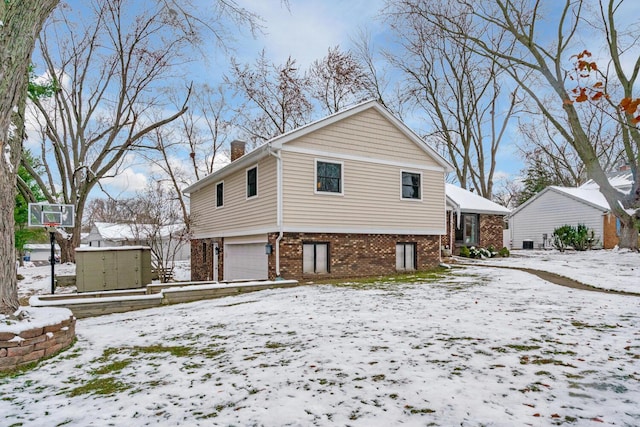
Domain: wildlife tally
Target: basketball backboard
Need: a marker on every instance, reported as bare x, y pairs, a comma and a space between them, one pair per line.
51, 214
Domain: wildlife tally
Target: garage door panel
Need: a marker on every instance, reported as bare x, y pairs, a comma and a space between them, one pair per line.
245, 262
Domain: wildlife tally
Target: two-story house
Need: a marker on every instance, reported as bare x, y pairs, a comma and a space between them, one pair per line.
354, 194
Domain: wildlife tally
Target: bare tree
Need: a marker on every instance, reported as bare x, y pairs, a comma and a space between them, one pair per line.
460, 92
110, 70
543, 147
193, 146
541, 66
21, 23
337, 80
274, 98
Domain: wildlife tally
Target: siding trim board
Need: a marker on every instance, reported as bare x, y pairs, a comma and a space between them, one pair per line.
329, 155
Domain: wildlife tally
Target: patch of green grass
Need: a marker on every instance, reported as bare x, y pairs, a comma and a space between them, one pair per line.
523, 347
417, 277
100, 386
379, 377
414, 410
274, 345
115, 366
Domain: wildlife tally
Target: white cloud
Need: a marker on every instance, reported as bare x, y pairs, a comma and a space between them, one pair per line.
126, 181
309, 28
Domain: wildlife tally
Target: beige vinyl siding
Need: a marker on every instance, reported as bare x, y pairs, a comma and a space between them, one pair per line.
367, 134
371, 199
239, 215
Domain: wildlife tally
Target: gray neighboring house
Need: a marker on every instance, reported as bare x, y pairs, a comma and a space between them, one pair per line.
531, 224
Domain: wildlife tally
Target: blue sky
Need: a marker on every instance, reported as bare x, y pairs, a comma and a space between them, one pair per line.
304, 30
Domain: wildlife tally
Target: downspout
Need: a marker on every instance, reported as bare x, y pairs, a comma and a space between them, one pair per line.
279, 225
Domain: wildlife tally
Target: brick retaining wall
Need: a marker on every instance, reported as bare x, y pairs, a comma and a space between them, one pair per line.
29, 346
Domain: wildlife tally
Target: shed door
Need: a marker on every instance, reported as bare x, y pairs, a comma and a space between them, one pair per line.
245, 261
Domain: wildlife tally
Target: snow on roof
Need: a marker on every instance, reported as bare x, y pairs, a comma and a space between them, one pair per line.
117, 232
622, 180
466, 201
590, 195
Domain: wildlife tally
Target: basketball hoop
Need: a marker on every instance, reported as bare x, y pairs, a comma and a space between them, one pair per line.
51, 226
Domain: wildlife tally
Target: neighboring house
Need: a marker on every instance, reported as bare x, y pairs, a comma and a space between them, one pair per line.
473, 220
533, 222
354, 194
172, 241
40, 251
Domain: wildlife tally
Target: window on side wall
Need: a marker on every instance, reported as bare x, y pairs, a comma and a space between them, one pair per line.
315, 258
219, 194
252, 182
411, 186
406, 256
328, 177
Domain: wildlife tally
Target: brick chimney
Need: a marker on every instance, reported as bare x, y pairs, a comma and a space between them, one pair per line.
237, 149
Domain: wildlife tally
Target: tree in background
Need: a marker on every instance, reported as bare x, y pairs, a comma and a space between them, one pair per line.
462, 94
542, 66
152, 218
21, 23
336, 81
273, 98
193, 146
23, 233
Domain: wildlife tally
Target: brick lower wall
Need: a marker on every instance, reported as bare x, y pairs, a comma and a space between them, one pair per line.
352, 255
202, 257
29, 346
491, 228
610, 232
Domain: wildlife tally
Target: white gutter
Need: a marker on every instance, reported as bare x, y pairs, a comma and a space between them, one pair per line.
277, 155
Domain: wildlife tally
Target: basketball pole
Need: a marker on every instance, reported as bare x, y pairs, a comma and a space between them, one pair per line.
52, 238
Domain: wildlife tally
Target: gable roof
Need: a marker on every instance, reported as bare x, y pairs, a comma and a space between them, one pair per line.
589, 196
622, 180
279, 141
465, 201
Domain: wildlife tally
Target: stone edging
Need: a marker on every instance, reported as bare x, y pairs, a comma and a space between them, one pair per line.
32, 345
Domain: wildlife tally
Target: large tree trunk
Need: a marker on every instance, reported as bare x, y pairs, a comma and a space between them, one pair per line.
628, 234
20, 23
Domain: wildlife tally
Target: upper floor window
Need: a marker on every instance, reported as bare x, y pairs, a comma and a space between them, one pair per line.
328, 177
411, 185
220, 194
252, 182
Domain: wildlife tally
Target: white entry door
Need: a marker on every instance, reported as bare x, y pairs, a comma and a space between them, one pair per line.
245, 261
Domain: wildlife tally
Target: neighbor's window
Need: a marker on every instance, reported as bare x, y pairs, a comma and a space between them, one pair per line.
252, 182
315, 258
220, 194
328, 177
405, 256
411, 185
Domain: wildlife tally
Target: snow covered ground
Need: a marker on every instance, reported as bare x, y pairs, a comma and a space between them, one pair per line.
478, 346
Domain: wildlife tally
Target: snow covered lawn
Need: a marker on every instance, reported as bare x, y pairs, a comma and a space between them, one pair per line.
480, 346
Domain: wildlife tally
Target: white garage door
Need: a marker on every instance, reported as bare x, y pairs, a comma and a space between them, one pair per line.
245, 261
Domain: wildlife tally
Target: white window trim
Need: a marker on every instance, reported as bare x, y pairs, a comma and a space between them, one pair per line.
421, 186
315, 177
222, 205
246, 182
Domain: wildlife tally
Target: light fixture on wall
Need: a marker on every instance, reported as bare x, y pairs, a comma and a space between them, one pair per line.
268, 248
217, 249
